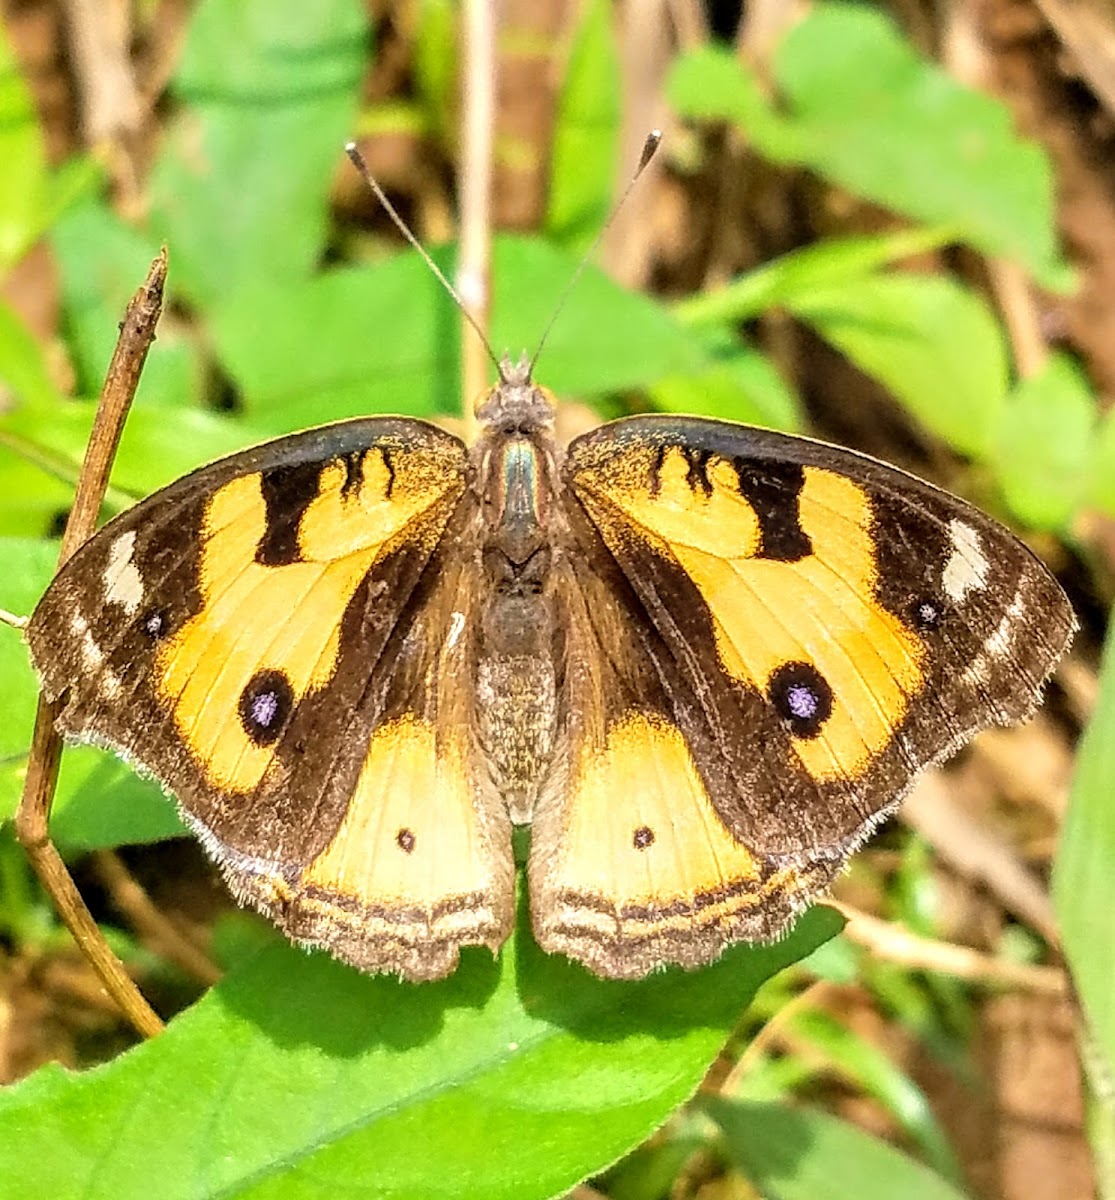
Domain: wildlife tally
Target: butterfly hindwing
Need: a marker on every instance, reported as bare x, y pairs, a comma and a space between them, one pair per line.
833, 625
631, 866
240, 635
421, 863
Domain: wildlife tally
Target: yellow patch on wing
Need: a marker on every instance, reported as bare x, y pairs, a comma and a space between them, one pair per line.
412, 839
641, 834
287, 618
766, 613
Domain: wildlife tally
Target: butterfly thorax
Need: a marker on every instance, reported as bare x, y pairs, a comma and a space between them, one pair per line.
515, 458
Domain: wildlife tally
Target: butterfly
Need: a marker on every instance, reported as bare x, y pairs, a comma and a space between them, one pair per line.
702, 660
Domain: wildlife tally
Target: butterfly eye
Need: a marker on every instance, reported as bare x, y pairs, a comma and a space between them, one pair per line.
265, 705
802, 697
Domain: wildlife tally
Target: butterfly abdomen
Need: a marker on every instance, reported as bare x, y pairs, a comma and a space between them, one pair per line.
515, 680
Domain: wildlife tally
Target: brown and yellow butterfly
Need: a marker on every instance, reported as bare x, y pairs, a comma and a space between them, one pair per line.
702, 660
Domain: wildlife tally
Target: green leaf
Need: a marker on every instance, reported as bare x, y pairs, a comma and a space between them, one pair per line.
158, 444
23, 179
586, 135
1084, 870
27, 566
32, 499
103, 261
930, 341
436, 60
791, 1153
268, 92
710, 84
297, 1076
741, 385
859, 106
23, 370
868, 1067
795, 275
359, 340
1045, 444
393, 336
1101, 475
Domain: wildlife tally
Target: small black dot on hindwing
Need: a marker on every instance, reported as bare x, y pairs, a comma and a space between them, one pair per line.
643, 837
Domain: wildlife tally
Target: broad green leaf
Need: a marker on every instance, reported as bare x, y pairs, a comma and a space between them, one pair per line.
436, 60
710, 83
827, 265
268, 93
791, 1153
33, 500
866, 1066
23, 177
23, 371
349, 342
1101, 474
1045, 444
858, 105
26, 566
297, 1076
1084, 870
930, 341
103, 261
157, 446
740, 385
586, 135
101, 803
605, 339
384, 338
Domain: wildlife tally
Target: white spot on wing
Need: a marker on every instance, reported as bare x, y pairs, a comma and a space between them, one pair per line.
123, 582
998, 645
456, 628
967, 567
92, 656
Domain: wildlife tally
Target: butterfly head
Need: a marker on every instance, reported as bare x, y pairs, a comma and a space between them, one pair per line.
516, 404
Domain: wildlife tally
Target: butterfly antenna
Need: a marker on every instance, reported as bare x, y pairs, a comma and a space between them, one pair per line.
650, 146
359, 162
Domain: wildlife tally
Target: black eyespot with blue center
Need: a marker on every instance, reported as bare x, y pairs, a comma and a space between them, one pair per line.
265, 705
154, 624
802, 697
927, 612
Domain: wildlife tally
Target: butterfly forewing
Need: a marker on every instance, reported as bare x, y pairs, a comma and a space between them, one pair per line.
259, 636
833, 625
